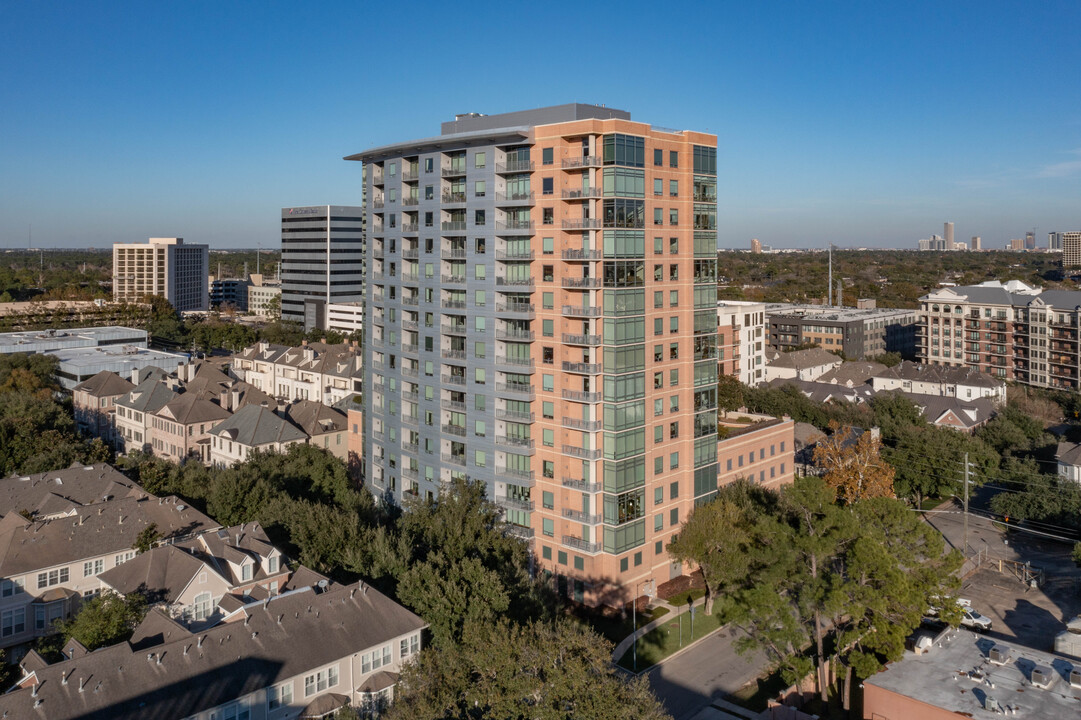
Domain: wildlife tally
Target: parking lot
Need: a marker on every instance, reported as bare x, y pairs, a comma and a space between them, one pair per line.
1030, 616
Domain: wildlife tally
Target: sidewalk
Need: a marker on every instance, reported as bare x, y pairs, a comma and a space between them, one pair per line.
673, 612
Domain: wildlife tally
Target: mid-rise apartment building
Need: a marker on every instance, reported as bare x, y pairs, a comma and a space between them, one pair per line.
741, 340
1011, 331
857, 332
541, 316
1069, 243
165, 267
322, 260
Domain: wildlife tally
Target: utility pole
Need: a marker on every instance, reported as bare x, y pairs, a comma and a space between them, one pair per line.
965, 551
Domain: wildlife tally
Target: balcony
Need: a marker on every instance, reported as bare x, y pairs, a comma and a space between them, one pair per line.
581, 282
451, 198
515, 503
580, 311
453, 354
520, 532
453, 329
452, 226
504, 414
452, 171
514, 166
453, 379
581, 224
518, 443
409, 324
410, 473
454, 430
410, 174
580, 544
584, 453
512, 334
586, 425
452, 405
514, 198
410, 277
581, 517
411, 420
406, 300
517, 388
581, 368
581, 162
406, 395
518, 475
453, 279
410, 254
377, 178
524, 284
453, 304
590, 340
582, 485
454, 459
583, 194
377, 435
377, 204
518, 364
515, 308
579, 396
575, 254
453, 254
514, 226
409, 371
513, 254
410, 228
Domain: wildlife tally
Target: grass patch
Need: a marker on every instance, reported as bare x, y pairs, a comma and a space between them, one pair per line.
932, 503
615, 628
662, 641
680, 599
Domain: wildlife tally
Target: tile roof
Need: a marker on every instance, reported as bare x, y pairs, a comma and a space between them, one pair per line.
105, 384
970, 413
284, 637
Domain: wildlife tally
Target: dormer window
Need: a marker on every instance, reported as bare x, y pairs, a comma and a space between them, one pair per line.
272, 565
246, 571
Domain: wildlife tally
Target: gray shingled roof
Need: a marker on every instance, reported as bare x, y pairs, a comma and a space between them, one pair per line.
1069, 453
255, 426
105, 384
852, 373
289, 635
811, 357
971, 413
161, 574
189, 408
315, 418
964, 375
80, 484
149, 396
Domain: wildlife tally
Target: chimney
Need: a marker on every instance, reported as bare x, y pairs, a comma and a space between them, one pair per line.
280, 411
223, 400
304, 343
135, 376
234, 404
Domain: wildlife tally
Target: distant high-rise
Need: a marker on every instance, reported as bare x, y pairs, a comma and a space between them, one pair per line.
756, 246
975, 245
1054, 241
1071, 248
165, 267
947, 229
314, 239
1030, 241
1017, 244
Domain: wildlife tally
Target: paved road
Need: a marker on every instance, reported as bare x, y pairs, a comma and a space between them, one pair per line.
708, 670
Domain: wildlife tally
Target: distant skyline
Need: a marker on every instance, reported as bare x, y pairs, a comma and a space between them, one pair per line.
861, 124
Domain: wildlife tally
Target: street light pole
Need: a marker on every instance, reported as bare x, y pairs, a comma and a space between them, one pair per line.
634, 615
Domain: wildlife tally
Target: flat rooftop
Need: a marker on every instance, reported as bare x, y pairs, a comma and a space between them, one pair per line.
49, 340
124, 355
957, 675
835, 314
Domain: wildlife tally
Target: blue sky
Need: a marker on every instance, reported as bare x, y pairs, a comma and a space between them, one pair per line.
862, 123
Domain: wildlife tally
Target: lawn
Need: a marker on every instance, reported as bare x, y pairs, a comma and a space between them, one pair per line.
615, 628
662, 641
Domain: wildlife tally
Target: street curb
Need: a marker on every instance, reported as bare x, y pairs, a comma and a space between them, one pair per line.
677, 653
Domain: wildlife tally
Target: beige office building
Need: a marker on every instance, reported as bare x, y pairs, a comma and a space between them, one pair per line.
165, 267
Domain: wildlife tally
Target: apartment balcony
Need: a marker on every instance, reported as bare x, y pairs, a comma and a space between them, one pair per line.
523, 285
583, 194
410, 348
406, 395
453, 304
514, 254
522, 226
453, 379
590, 340
454, 459
452, 171
581, 282
376, 434
577, 163
410, 277
410, 473
377, 178
514, 166
519, 476
378, 254
410, 175
457, 430
515, 364
516, 389
581, 368
586, 425
410, 254
579, 396
409, 324
584, 453
452, 329
453, 254
378, 365
515, 309
406, 300
515, 503
581, 311
453, 279
503, 414
453, 226
581, 224
511, 334
453, 198
410, 371
576, 254
582, 485
581, 517
520, 532
517, 443
453, 354
413, 420
452, 405
514, 198
377, 204
580, 544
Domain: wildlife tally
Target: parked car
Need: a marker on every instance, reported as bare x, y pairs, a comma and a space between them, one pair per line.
974, 620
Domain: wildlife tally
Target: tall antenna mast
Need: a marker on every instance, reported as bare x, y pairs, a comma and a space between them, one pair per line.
829, 283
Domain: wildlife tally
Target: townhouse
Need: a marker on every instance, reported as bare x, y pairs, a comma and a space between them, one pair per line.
314, 371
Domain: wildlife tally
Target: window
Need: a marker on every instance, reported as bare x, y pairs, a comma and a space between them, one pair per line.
673, 216
548, 245
658, 245
548, 216
548, 500
279, 696
548, 410
673, 298
480, 272
548, 273
55, 577
673, 351
546, 552
658, 216
479, 160
11, 587
480, 459
673, 403
200, 608
429, 194
658, 434
548, 328
658, 379
673, 490
658, 522
658, 468
272, 564
673, 324
548, 300
673, 158
658, 298
673, 430
548, 382
673, 461
324, 679
13, 622
479, 376
480, 188
428, 165
549, 469
623, 565
673, 188
478, 217
673, 517
673, 377
409, 646
658, 157
547, 156
562, 557
658, 186
547, 186
548, 527
673, 246
658, 407
549, 437
658, 326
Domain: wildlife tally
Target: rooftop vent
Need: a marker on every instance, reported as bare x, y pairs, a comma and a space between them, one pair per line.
1043, 676
999, 654
1075, 677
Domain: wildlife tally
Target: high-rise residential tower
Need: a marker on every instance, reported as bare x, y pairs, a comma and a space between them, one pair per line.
1070, 244
165, 267
322, 261
947, 232
542, 317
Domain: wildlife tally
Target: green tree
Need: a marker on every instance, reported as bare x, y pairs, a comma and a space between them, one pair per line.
895, 414
929, 462
106, 619
729, 393
541, 671
147, 538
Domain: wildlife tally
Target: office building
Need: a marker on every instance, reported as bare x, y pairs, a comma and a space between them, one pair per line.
1070, 245
756, 246
228, 293
1030, 240
975, 245
347, 318
260, 294
859, 333
947, 231
322, 261
1011, 331
165, 267
542, 317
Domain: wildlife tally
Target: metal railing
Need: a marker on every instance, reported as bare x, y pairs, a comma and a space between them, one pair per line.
572, 339
454, 459
584, 453
580, 544
583, 254
583, 194
579, 516
582, 368
453, 379
582, 485
516, 362
587, 425
514, 166
514, 503
582, 224
572, 282
581, 311
581, 162
512, 441
508, 198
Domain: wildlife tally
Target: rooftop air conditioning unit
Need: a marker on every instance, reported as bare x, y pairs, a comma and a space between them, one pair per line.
999, 654
1075, 677
1043, 676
